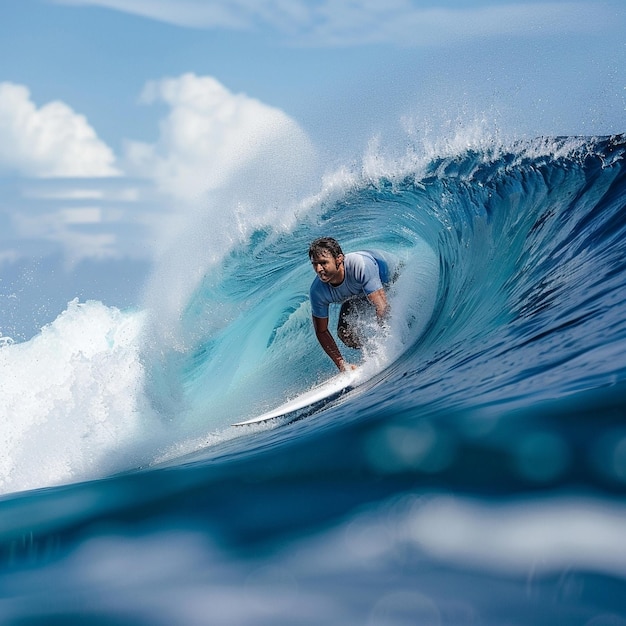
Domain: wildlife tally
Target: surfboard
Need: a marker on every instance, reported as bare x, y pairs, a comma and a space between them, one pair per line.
310, 401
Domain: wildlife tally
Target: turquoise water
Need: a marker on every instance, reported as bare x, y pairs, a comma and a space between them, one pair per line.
477, 475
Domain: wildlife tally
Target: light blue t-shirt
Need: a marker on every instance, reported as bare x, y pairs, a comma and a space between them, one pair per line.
365, 272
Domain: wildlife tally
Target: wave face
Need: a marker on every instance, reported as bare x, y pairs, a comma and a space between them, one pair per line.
509, 257
501, 383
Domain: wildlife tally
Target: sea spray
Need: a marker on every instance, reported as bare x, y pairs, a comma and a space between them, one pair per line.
71, 399
511, 291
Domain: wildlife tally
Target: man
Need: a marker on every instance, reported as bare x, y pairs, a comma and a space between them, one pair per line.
351, 279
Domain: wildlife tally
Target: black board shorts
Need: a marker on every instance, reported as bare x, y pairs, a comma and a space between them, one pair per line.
350, 309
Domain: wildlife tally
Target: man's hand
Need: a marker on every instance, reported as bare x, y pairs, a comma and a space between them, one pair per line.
346, 367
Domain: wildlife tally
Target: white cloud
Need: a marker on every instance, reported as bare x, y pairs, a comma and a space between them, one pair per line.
403, 23
211, 133
49, 141
358, 22
56, 228
230, 14
209, 138
97, 219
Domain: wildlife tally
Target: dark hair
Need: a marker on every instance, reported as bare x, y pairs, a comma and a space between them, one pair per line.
325, 244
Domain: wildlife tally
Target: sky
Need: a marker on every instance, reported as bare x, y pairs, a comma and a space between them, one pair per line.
119, 118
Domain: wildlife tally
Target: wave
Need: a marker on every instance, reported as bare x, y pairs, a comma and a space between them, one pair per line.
512, 294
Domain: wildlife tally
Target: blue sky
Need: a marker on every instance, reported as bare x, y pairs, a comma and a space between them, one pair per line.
117, 116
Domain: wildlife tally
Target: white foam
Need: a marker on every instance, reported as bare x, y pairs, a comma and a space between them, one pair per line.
71, 399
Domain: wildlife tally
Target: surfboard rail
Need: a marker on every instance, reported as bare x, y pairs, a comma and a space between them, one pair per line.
309, 401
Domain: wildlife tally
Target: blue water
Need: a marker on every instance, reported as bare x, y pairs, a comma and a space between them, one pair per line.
477, 476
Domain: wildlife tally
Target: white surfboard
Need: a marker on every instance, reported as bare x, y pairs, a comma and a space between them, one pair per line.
309, 401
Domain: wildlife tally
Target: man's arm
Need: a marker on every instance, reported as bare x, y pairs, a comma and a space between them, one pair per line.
320, 324
379, 300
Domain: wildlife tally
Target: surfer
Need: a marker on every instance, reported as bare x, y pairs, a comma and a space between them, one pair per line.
353, 279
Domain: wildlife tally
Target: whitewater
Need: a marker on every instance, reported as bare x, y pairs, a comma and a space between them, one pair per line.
484, 453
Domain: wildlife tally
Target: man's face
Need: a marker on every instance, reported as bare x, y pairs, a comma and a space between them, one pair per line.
328, 268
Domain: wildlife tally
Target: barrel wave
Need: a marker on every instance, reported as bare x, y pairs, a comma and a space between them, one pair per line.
508, 258
491, 415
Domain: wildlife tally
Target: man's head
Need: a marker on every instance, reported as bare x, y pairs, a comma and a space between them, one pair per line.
327, 260
324, 246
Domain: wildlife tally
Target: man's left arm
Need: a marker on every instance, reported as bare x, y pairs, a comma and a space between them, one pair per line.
379, 299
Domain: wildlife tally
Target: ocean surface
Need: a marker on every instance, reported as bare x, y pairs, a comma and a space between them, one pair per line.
476, 476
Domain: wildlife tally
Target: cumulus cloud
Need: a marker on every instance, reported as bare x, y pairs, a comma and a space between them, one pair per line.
358, 22
210, 133
52, 140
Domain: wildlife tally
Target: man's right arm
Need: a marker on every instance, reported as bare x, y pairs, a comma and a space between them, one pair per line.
328, 343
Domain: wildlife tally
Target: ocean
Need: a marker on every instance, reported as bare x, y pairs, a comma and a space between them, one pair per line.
476, 476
